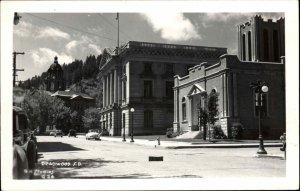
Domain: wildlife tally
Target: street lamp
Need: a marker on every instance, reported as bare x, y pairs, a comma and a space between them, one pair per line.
132, 110
260, 88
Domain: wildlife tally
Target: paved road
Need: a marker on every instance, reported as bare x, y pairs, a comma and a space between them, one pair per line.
78, 158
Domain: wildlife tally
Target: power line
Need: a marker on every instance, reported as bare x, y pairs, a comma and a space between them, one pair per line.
105, 19
71, 27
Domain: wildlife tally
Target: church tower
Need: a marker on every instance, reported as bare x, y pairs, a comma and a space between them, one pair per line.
55, 79
260, 40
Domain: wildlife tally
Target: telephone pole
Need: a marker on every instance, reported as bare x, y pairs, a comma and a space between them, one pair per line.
15, 70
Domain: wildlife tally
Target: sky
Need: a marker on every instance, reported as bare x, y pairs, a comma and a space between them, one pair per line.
70, 36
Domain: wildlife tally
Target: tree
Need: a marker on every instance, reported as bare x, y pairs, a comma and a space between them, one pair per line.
44, 110
208, 114
91, 118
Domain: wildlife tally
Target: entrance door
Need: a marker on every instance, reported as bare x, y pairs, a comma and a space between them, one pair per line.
195, 103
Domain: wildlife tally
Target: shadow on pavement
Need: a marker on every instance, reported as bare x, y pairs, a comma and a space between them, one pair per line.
56, 147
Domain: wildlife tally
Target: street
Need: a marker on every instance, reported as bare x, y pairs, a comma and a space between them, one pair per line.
70, 157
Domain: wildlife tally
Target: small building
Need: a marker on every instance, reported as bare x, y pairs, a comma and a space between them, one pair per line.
261, 57
140, 75
231, 78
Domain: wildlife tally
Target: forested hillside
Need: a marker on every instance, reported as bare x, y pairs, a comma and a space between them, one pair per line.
79, 76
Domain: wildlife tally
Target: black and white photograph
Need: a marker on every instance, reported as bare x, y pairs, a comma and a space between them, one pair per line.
150, 95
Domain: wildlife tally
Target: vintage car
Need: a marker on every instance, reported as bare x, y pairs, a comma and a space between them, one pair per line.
25, 150
93, 134
72, 133
58, 133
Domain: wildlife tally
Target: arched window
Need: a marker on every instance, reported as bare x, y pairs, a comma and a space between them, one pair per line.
249, 46
183, 109
244, 48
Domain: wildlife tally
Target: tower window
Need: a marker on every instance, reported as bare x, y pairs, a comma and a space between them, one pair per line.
266, 45
275, 45
249, 46
244, 48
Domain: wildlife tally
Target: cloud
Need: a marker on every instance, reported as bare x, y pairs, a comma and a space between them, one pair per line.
24, 29
44, 57
172, 26
95, 48
83, 45
54, 33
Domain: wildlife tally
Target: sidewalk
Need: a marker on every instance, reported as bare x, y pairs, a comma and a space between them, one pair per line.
192, 143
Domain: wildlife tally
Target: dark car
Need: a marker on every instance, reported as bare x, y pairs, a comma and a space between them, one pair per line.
72, 133
25, 149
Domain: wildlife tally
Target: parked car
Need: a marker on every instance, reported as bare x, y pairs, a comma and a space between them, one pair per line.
58, 133
25, 150
72, 133
52, 133
93, 134
104, 132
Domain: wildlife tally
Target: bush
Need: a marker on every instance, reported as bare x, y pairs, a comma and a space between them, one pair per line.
217, 132
237, 131
170, 133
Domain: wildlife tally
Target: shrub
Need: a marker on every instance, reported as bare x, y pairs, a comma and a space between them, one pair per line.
217, 132
237, 131
169, 132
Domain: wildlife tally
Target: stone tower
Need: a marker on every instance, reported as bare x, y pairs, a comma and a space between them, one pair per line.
260, 40
55, 79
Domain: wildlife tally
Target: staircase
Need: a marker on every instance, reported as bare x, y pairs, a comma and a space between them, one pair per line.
190, 135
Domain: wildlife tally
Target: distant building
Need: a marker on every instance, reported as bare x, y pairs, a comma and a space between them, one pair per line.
55, 78
140, 76
231, 78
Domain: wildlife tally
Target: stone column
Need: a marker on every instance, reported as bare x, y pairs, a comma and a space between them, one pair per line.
107, 90
103, 91
115, 86
111, 87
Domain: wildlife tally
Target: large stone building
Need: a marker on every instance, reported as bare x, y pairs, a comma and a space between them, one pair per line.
140, 76
231, 78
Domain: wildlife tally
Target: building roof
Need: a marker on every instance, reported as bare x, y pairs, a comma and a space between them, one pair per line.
55, 66
71, 94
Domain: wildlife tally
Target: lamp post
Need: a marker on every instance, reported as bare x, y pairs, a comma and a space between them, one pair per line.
260, 88
132, 110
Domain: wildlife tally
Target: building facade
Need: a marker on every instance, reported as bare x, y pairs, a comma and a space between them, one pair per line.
261, 53
260, 40
231, 79
55, 78
140, 75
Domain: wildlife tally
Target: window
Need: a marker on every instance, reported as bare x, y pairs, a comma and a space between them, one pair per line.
169, 89
183, 109
148, 119
169, 69
124, 90
249, 46
275, 44
147, 88
244, 47
147, 67
266, 45
264, 102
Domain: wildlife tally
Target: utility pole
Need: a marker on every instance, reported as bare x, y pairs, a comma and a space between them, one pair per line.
118, 33
15, 70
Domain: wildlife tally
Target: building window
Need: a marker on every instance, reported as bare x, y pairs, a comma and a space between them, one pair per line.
148, 119
169, 69
244, 47
124, 69
147, 67
275, 44
124, 90
249, 46
169, 89
266, 45
183, 109
264, 102
147, 88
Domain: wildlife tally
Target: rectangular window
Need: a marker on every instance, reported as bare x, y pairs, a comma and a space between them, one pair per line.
147, 88
169, 69
147, 67
124, 91
184, 112
169, 89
